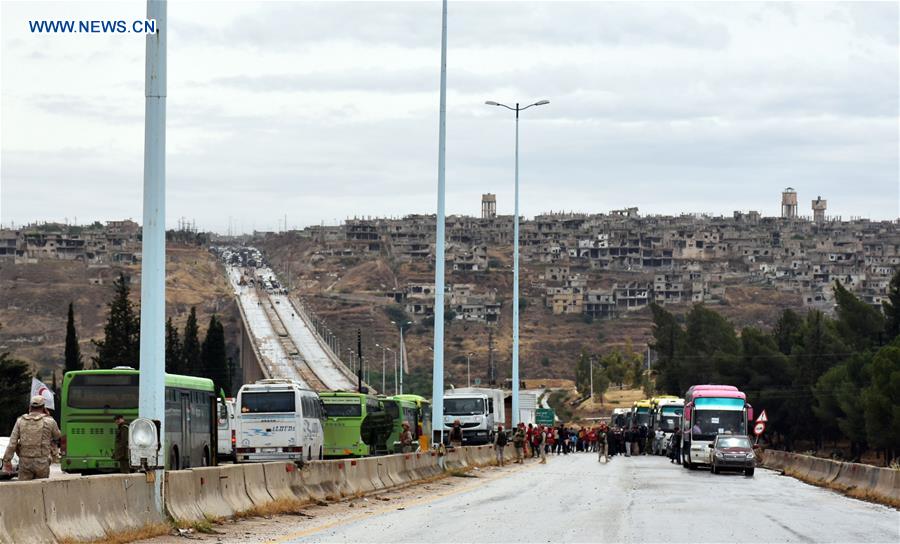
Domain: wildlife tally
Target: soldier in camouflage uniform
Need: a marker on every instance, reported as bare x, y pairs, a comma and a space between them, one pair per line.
33, 438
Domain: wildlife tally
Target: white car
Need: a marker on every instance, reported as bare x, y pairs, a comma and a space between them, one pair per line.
4, 441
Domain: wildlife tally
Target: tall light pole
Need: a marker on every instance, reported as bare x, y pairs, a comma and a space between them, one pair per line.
592, 379
402, 326
395, 369
152, 404
383, 366
515, 346
437, 381
468, 370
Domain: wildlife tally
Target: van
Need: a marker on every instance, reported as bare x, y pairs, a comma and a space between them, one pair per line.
226, 428
278, 420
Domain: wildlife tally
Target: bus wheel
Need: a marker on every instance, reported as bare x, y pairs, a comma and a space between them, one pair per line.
206, 460
174, 460
321, 454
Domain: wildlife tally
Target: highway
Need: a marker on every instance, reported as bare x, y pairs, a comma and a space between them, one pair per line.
576, 499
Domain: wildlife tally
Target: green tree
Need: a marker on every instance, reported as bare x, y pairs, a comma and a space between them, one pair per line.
214, 357
881, 402
614, 367
860, 325
787, 331
73, 360
190, 357
122, 334
15, 384
174, 350
891, 309
669, 344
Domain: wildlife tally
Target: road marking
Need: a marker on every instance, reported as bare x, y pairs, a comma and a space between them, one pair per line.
405, 504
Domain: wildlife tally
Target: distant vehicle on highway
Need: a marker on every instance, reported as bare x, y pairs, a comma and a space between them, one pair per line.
640, 413
277, 420
90, 399
665, 415
732, 452
479, 411
4, 442
424, 420
710, 410
226, 426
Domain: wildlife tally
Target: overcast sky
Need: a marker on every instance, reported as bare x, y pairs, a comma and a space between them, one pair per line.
324, 110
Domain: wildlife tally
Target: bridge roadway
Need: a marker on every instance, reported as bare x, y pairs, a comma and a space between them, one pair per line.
576, 499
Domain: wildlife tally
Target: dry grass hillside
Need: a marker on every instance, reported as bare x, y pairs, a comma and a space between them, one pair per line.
349, 293
35, 299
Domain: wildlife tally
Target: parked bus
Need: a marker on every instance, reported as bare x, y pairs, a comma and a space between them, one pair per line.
618, 417
91, 398
345, 413
665, 416
710, 410
423, 424
640, 413
278, 420
400, 411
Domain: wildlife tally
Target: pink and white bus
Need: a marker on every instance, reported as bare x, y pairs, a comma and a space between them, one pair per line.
710, 410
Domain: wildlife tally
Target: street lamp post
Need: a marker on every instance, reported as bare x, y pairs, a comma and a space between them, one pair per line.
401, 326
383, 366
515, 346
468, 370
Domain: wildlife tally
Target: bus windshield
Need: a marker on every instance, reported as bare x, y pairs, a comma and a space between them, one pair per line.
104, 391
268, 402
641, 418
668, 422
708, 423
463, 407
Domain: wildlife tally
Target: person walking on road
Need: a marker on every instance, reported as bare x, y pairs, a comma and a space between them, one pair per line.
602, 448
33, 438
519, 443
642, 439
120, 451
406, 439
499, 444
542, 444
676, 446
456, 435
629, 438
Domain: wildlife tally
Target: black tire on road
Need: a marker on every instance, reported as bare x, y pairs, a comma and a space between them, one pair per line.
749, 472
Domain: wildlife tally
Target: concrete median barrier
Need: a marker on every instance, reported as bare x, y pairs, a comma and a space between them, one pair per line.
140, 500
887, 487
255, 484
279, 481
357, 480
182, 500
233, 487
387, 472
322, 480
71, 508
22, 517
209, 493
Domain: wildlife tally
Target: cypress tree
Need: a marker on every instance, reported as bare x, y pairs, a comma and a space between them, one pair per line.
892, 309
191, 359
174, 353
73, 350
122, 334
215, 359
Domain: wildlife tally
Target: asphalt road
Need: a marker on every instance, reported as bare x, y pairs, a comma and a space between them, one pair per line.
639, 499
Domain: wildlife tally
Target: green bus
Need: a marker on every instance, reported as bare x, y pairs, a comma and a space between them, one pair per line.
90, 399
417, 412
345, 412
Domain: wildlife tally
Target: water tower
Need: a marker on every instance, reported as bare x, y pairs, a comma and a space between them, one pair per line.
818, 207
789, 203
488, 206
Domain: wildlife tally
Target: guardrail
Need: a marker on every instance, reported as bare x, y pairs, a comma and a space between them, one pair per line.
868, 482
98, 507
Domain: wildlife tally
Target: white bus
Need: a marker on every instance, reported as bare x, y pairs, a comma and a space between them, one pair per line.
277, 420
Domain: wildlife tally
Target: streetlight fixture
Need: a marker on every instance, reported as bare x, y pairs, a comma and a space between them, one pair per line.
515, 346
383, 366
395, 368
401, 326
468, 370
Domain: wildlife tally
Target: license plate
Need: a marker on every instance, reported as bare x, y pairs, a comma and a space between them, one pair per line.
269, 450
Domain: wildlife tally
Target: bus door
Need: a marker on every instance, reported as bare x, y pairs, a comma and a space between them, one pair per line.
186, 446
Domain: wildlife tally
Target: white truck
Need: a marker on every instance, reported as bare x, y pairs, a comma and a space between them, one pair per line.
479, 411
225, 425
278, 420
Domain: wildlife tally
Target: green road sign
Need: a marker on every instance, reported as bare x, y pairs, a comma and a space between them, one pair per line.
544, 416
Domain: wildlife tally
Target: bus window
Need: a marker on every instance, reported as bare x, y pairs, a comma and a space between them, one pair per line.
104, 391
343, 410
268, 402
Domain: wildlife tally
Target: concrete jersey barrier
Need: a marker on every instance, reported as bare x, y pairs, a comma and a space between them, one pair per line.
22, 518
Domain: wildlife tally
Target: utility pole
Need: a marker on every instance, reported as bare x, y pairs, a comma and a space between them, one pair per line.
359, 355
492, 376
152, 404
